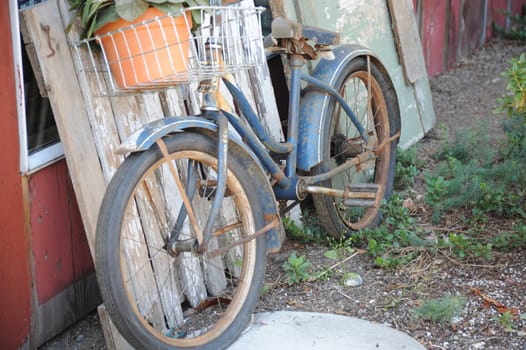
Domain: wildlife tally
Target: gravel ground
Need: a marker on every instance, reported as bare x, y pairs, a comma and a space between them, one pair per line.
464, 97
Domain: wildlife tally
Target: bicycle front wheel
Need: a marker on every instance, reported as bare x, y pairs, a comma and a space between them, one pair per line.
161, 297
365, 88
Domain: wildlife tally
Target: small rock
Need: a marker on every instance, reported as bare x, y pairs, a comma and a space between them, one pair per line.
455, 320
352, 279
80, 338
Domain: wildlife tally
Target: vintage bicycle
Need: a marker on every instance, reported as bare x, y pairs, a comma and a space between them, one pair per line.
189, 216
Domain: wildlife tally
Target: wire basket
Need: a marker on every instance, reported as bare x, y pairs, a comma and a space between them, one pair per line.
197, 44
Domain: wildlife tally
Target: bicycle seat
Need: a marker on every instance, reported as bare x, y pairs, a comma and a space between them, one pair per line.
286, 29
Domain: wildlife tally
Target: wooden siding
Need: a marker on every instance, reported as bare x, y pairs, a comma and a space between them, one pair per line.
60, 249
433, 34
15, 281
453, 29
64, 285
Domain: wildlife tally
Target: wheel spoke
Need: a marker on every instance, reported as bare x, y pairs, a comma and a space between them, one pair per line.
181, 298
364, 89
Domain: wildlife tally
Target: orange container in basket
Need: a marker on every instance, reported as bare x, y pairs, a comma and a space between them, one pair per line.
148, 51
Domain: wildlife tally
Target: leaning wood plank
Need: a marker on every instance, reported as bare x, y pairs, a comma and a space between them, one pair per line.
114, 341
44, 26
407, 39
45, 29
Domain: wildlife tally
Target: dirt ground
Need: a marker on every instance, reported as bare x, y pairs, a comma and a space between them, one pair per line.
464, 97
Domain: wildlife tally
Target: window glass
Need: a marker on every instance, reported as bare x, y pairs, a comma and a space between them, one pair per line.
40, 124
26, 3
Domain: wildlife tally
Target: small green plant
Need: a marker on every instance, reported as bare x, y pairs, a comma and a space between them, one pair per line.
339, 249
391, 302
297, 268
265, 290
463, 247
437, 189
388, 242
442, 310
505, 320
514, 104
95, 14
310, 232
406, 169
511, 240
517, 29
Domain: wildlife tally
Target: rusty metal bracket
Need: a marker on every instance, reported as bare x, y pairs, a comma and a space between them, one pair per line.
47, 29
262, 231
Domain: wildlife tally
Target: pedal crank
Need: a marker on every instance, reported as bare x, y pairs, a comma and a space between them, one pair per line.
363, 195
355, 195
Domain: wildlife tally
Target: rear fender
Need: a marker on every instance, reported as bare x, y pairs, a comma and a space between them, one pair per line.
315, 102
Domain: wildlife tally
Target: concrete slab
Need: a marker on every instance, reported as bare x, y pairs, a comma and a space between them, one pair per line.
308, 330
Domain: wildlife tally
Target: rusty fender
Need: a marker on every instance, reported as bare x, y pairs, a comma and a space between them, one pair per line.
314, 104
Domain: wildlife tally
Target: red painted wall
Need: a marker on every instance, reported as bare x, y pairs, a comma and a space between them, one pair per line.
451, 29
433, 34
15, 285
454, 31
60, 249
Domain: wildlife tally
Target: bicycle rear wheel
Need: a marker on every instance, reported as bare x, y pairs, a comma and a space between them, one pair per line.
365, 88
164, 298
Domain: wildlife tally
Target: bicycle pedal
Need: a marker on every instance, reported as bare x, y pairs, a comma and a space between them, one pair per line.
363, 195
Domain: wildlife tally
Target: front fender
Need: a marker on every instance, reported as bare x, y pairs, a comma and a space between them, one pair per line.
314, 104
145, 137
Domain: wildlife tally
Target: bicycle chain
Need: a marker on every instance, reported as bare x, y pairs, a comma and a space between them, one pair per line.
284, 208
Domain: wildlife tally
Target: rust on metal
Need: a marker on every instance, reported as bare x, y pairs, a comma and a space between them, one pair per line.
215, 253
47, 30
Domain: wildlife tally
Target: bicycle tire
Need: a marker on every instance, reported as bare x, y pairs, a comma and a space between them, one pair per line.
156, 300
338, 219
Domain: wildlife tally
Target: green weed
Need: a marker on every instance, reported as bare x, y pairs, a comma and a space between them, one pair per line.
511, 240
517, 30
505, 320
297, 268
514, 104
442, 310
310, 232
406, 169
387, 242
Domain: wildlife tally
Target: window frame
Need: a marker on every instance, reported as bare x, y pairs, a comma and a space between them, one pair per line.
48, 155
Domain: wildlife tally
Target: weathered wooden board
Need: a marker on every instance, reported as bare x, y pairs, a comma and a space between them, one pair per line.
43, 27
453, 24
433, 34
407, 39
472, 26
91, 128
368, 23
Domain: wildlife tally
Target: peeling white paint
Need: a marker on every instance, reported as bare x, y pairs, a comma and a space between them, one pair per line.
367, 17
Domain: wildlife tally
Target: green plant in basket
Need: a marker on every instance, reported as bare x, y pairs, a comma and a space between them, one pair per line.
150, 47
95, 14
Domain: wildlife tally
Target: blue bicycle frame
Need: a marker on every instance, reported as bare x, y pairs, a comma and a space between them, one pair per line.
257, 144
260, 142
